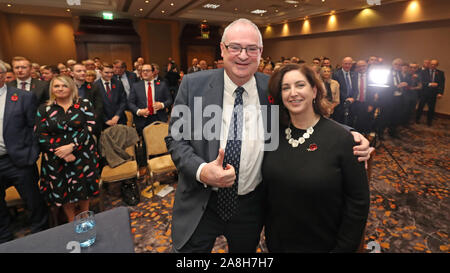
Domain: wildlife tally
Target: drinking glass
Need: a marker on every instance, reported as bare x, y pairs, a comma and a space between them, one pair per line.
85, 228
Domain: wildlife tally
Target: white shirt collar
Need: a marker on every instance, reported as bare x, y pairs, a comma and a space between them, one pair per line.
230, 86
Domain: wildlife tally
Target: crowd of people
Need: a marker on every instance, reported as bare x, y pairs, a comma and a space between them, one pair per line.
230, 186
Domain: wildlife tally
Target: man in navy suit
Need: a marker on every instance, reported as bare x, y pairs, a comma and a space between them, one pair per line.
348, 83
433, 81
127, 78
148, 109
114, 97
18, 154
22, 70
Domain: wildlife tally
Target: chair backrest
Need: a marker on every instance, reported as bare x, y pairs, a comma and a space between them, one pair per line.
154, 135
129, 116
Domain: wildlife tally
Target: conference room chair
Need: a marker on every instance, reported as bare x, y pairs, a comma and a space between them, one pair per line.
159, 161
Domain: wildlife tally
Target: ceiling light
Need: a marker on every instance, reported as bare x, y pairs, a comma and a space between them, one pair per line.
258, 11
291, 2
163, 11
146, 1
9, 5
276, 10
211, 6
171, 4
68, 10
141, 9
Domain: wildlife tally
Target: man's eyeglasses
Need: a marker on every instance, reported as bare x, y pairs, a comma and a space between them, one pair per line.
236, 49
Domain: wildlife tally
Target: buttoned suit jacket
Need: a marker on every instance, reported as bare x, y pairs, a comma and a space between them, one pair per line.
118, 103
439, 78
39, 88
340, 78
138, 100
18, 124
191, 197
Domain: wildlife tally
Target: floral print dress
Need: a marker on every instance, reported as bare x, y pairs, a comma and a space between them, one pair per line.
67, 182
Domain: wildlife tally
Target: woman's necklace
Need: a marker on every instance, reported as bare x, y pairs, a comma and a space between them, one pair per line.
295, 142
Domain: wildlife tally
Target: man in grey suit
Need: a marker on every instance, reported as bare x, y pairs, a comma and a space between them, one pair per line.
22, 69
220, 190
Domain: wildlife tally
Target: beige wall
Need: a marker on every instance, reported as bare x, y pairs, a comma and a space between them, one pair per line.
427, 36
45, 40
159, 41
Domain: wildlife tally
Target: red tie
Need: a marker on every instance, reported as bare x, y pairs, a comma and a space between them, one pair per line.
361, 88
108, 90
150, 98
24, 85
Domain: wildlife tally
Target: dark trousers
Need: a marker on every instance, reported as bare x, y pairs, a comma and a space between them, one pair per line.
427, 97
242, 231
363, 119
24, 179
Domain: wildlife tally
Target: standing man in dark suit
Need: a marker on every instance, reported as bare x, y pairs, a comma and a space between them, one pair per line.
194, 67
127, 78
114, 97
90, 92
22, 69
149, 100
433, 81
348, 83
18, 154
219, 187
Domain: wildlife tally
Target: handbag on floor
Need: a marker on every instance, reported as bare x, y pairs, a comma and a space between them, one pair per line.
130, 192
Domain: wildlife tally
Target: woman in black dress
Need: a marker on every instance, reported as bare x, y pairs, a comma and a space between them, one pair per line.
318, 194
69, 168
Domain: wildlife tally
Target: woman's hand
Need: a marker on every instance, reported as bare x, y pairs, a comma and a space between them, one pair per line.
64, 150
69, 158
363, 150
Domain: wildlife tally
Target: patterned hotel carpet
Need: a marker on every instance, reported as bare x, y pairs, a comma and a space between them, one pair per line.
409, 212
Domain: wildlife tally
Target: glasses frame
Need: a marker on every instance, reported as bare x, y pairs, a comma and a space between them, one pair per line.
246, 51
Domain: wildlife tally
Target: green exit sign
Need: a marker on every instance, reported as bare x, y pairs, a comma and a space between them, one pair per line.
108, 16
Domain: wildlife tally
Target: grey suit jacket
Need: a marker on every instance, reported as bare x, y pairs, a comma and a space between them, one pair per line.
191, 197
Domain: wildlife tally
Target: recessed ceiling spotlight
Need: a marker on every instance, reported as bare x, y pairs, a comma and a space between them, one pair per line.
147, 1
141, 9
171, 4
295, 6
291, 2
276, 10
258, 11
9, 5
211, 6
68, 10
163, 11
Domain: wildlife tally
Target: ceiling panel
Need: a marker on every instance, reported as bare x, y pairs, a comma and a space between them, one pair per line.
276, 11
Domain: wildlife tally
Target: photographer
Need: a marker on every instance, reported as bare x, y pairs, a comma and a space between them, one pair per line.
172, 77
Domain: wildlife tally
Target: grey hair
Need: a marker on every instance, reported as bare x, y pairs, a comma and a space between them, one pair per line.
242, 21
3, 66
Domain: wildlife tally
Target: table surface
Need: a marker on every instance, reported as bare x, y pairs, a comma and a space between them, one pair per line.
113, 236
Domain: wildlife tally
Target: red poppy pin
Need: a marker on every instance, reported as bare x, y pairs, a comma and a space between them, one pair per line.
271, 99
158, 83
76, 106
14, 97
113, 86
312, 147
33, 86
88, 86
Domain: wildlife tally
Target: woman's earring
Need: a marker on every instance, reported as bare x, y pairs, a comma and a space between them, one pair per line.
314, 101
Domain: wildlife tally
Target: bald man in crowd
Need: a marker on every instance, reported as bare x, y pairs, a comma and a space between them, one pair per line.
348, 83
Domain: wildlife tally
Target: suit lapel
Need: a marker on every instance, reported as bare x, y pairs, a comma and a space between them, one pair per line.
214, 96
9, 106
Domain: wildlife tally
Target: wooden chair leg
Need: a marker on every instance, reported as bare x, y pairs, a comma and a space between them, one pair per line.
101, 197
